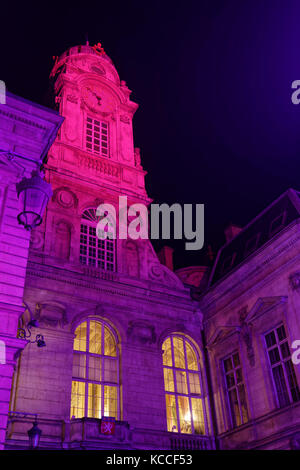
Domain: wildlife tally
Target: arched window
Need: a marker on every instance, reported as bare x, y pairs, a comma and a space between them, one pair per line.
183, 388
95, 385
93, 250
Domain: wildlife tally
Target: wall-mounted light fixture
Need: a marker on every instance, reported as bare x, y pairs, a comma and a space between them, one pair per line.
34, 433
25, 333
34, 194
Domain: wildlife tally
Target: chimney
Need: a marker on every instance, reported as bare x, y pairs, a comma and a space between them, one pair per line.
231, 231
165, 256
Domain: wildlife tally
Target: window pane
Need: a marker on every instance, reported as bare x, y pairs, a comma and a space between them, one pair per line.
239, 375
110, 370
194, 383
95, 368
77, 399
230, 382
181, 382
285, 351
109, 343
171, 413
274, 356
167, 353
80, 337
281, 333
234, 406
198, 416
280, 385
236, 360
94, 401
270, 339
110, 401
192, 363
290, 371
184, 415
95, 337
227, 364
79, 366
243, 403
169, 380
178, 352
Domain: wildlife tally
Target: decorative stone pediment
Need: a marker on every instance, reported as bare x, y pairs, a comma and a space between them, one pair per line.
262, 305
220, 334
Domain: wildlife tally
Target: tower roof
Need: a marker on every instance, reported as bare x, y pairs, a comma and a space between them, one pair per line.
95, 52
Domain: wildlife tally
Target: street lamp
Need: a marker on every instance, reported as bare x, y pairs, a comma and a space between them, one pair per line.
34, 435
34, 194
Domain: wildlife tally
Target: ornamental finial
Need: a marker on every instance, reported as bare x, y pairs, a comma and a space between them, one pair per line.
98, 48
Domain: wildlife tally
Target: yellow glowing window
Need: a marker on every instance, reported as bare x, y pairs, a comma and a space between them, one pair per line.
184, 394
95, 385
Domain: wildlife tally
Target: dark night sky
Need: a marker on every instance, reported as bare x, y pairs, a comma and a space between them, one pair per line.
216, 124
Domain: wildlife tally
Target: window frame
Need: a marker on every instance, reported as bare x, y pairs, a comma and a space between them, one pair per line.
281, 362
189, 395
101, 246
87, 354
92, 149
232, 419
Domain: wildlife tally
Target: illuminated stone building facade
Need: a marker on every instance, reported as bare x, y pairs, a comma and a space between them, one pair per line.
27, 131
137, 356
251, 319
122, 306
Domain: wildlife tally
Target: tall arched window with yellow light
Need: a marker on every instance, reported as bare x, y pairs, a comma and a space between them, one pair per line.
95, 384
183, 389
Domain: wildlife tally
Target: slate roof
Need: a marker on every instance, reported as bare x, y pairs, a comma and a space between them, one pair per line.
272, 220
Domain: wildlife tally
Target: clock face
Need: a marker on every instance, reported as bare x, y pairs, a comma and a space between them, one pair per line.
97, 100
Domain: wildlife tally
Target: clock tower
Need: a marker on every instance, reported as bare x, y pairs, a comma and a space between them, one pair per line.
96, 139
104, 307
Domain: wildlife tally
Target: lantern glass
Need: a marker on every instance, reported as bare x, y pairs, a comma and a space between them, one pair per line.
34, 435
33, 194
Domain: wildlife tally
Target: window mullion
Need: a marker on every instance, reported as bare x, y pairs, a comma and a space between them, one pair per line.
282, 361
188, 385
175, 384
102, 370
87, 366
238, 395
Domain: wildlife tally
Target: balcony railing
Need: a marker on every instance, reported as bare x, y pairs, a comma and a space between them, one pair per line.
192, 443
86, 433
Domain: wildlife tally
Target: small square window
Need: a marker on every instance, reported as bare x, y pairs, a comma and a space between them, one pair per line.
97, 136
